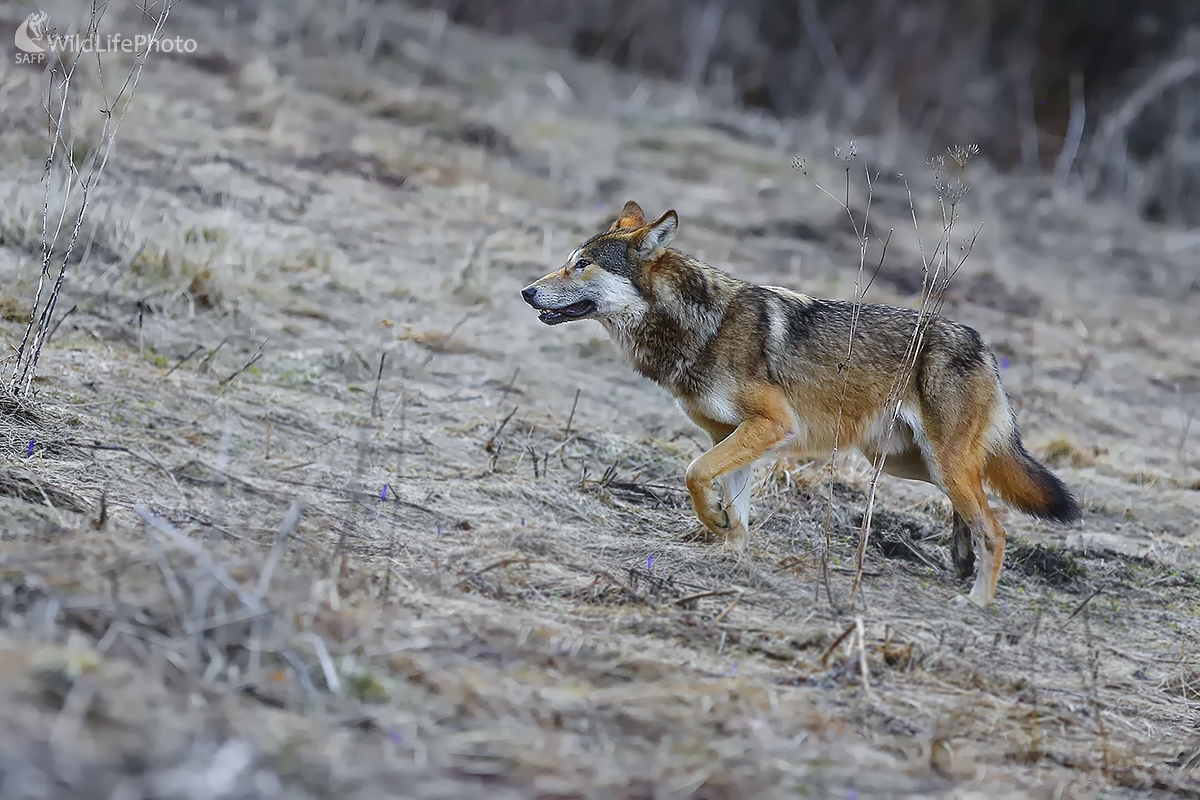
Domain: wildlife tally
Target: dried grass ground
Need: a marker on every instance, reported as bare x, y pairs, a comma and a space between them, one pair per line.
491, 589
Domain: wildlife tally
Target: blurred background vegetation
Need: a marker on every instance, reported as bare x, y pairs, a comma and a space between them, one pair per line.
1099, 93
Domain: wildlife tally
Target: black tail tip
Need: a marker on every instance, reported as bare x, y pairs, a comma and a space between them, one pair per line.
1060, 506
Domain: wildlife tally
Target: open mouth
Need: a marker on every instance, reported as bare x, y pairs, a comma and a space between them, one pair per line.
553, 316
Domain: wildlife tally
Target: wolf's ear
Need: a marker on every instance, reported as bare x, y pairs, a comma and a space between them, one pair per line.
657, 236
632, 216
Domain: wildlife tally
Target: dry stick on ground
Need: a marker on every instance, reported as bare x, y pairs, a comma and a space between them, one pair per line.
691, 598
47, 245
204, 362
253, 360
491, 445
571, 417
182, 361
504, 562
61, 320
732, 605
40, 316
1080, 608
512, 381
378, 380
834, 646
433, 351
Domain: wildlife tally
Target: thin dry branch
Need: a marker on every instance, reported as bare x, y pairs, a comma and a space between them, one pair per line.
38, 329
934, 286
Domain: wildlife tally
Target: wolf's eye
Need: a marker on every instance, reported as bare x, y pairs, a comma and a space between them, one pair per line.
581, 263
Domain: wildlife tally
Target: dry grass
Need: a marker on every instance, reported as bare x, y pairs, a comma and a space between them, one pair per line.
494, 584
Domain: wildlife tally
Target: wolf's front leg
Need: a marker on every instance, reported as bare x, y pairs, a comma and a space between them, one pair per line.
738, 489
726, 461
720, 519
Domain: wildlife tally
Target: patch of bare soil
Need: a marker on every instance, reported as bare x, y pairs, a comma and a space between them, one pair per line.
308, 504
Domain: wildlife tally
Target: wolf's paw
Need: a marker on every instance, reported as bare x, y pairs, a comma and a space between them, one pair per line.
965, 601
718, 518
714, 517
737, 539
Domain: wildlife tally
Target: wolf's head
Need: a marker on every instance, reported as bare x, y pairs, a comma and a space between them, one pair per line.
608, 274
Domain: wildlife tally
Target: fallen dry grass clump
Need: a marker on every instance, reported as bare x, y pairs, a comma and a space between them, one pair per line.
299, 502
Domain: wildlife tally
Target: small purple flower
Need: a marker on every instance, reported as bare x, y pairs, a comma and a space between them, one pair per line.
733, 670
29, 451
650, 563
1004, 362
383, 494
522, 522
439, 530
395, 737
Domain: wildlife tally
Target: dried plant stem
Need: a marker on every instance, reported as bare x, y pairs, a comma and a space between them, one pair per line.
933, 293
38, 330
861, 637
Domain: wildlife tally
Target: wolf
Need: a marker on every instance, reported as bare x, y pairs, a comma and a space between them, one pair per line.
764, 370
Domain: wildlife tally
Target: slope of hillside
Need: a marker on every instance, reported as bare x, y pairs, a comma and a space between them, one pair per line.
308, 504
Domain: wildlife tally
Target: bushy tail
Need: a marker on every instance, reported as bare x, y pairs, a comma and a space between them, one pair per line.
1026, 484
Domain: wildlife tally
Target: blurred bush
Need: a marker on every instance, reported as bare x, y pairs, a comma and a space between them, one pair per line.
1100, 90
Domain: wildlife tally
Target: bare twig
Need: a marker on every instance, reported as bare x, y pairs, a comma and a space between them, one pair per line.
732, 605
253, 360
509, 387
491, 442
378, 380
691, 598
204, 362
61, 320
571, 416
834, 646
504, 562
291, 520
1079, 608
934, 285
38, 330
183, 360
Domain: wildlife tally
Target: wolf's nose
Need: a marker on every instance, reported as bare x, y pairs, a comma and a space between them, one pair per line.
529, 293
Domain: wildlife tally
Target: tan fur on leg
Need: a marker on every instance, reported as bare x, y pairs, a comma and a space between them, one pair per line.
750, 441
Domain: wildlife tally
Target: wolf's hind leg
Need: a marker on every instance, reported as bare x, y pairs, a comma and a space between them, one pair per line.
911, 464
961, 549
976, 529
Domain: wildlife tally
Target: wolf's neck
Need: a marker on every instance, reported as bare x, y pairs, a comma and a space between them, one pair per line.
667, 339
